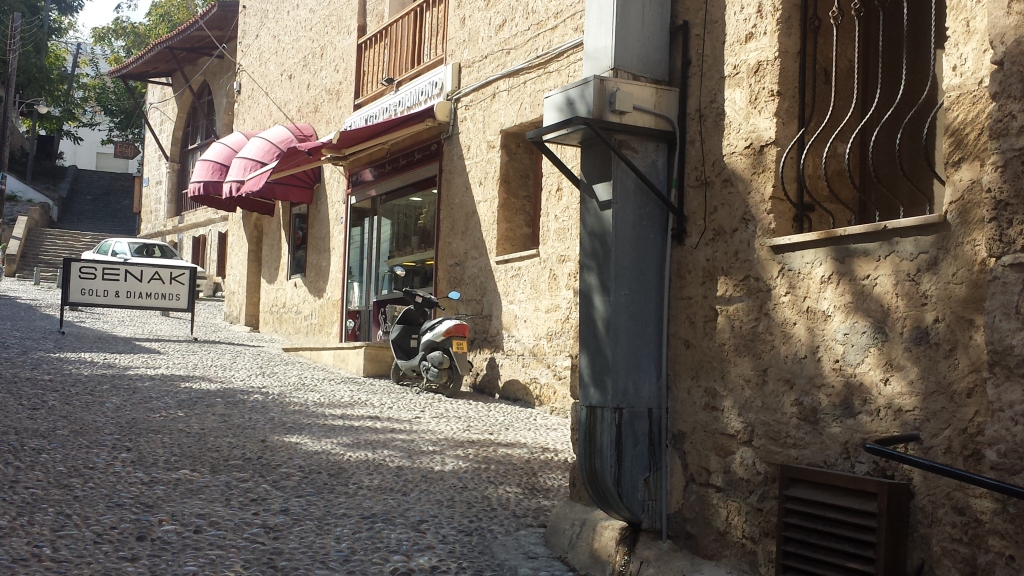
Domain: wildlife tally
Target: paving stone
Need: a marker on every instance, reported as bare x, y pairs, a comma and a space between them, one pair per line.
127, 448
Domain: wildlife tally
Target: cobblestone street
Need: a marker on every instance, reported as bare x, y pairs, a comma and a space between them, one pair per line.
126, 448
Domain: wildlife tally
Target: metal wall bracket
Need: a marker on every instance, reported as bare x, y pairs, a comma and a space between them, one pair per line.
138, 106
574, 131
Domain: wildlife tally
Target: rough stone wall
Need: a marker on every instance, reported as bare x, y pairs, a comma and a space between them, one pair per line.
802, 355
376, 13
1004, 243
245, 259
162, 112
524, 340
308, 82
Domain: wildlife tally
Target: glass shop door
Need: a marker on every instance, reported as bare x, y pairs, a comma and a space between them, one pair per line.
397, 228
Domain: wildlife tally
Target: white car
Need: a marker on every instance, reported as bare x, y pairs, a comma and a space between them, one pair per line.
140, 251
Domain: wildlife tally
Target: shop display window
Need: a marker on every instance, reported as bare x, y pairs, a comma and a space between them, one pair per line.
299, 232
393, 228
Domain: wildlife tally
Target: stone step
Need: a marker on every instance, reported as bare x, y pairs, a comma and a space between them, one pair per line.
47, 248
100, 202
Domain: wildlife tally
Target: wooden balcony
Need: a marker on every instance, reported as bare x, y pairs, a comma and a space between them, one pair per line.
411, 43
185, 204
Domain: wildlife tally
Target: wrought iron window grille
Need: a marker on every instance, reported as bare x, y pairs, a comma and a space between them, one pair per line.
868, 107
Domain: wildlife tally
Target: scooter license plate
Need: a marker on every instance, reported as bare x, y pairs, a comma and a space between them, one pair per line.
460, 346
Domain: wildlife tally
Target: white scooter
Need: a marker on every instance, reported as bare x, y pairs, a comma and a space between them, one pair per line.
433, 350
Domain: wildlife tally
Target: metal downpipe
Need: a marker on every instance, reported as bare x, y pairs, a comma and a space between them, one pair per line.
673, 195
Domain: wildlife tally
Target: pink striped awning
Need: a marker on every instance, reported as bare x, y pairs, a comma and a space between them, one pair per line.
262, 150
206, 186
303, 161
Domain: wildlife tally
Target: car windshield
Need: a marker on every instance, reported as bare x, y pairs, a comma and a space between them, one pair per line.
152, 250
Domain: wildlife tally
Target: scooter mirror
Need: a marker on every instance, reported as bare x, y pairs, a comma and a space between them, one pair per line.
454, 295
399, 271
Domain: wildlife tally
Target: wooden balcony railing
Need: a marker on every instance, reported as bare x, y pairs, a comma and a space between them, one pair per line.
408, 45
185, 204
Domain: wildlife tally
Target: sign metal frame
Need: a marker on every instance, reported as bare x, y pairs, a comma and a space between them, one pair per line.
66, 298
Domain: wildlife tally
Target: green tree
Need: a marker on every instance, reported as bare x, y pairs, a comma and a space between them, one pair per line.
42, 62
119, 41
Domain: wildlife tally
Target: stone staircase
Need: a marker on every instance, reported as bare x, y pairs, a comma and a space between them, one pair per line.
47, 248
100, 202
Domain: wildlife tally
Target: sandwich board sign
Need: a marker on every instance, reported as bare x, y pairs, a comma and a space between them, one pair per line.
99, 284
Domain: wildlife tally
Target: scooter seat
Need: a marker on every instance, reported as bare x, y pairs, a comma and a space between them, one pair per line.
431, 325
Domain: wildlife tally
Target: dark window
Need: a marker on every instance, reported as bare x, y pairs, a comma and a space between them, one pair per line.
197, 135
519, 192
199, 250
222, 254
298, 235
866, 105
152, 250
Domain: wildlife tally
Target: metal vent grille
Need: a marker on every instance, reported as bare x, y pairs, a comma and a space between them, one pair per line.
833, 524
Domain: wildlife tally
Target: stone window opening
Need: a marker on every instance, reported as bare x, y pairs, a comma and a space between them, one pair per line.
519, 192
298, 236
867, 108
196, 136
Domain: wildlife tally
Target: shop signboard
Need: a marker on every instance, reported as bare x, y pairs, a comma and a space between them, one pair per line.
415, 95
100, 284
126, 150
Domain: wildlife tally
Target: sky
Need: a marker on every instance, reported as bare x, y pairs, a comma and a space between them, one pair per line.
100, 12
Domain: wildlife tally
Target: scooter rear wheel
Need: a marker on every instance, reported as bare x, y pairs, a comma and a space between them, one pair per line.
452, 388
398, 377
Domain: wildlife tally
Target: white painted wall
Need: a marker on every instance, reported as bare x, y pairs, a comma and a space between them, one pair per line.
90, 155
26, 192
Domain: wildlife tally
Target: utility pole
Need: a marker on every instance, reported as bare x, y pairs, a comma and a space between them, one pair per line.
13, 49
35, 111
67, 94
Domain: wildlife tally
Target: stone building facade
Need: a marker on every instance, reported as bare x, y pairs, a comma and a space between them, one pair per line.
197, 232
799, 352
789, 342
524, 326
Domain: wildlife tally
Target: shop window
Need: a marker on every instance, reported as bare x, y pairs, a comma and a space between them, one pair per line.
519, 192
197, 135
199, 250
297, 238
866, 101
222, 254
394, 225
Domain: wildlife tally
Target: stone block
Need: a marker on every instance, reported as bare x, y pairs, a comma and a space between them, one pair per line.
588, 539
359, 358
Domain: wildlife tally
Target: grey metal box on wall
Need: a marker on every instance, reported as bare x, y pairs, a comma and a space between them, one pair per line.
609, 99
627, 35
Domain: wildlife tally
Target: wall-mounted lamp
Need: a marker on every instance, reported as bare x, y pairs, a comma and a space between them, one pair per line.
387, 81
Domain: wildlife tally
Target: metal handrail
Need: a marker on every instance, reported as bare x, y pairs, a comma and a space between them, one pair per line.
882, 449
